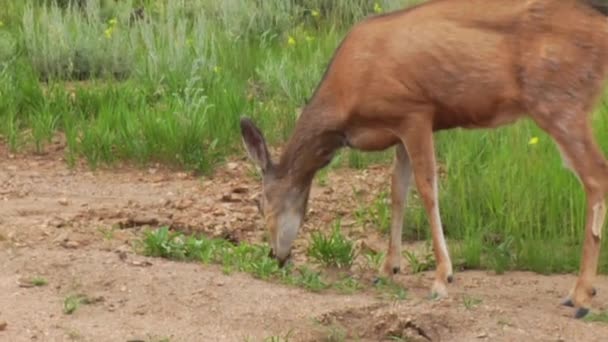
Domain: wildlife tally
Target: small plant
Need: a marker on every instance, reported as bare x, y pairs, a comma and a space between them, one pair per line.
38, 281
348, 285
108, 233
72, 303
285, 338
597, 317
378, 214
470, 302
310, 279
374, 259
427, 262
335, 333
333, 250
389, 289
500, 254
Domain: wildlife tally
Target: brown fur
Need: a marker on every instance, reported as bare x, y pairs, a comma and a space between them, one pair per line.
397, 78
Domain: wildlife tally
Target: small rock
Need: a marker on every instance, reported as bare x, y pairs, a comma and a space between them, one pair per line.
181, 175
184, 204
63, 201
482, 335
141, 263
70, 244
232, 166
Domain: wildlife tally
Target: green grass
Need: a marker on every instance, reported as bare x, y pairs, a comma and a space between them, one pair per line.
333, 249
172, 87
39, 281
601, 317
247, 258
72, 302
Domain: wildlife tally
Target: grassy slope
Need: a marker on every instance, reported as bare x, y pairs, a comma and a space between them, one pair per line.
171, 89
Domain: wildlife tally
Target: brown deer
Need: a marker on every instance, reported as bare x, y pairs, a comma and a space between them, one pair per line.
397, 78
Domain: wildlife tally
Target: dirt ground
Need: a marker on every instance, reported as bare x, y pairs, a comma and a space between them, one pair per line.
74, 227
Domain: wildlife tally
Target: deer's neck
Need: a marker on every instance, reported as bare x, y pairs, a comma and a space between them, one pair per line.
310, 148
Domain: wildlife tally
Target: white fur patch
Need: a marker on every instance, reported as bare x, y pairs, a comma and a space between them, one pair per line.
288, 225
599, 214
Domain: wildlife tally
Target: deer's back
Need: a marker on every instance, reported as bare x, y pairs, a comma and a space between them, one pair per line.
465, 61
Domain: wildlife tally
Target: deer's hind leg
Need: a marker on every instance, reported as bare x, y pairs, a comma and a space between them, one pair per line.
400, 184
570, 129
561, 82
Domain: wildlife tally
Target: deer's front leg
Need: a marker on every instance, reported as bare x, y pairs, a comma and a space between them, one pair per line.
400, 183
419, 143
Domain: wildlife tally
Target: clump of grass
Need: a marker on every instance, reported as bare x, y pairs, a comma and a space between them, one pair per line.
470, 302
72, 302
309, 279
420, 264
332, 250
39, 281
601, 317
387, 288
348, 285
251, 259
374, 259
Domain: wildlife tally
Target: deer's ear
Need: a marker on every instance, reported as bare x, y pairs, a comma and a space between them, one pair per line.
254, 142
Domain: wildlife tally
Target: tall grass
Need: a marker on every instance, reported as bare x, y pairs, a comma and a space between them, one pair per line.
171, 86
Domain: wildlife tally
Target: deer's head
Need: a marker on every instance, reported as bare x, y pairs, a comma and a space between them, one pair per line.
282, 202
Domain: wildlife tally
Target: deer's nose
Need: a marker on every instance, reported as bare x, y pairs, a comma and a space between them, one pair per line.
281, 261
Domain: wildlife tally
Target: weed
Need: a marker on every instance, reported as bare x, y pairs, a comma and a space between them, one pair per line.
38, 281
335, 333
470, 302
387, 288
597, 317
72, 303
374, 259
285, 338
333, 250
310, 279
417, 265
348, 285
108, 233
378, 214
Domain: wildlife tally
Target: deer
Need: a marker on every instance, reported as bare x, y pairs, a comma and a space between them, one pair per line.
397, 78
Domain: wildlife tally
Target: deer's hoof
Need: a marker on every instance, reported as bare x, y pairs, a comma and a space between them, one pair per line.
450, 279
581, 313
438, 291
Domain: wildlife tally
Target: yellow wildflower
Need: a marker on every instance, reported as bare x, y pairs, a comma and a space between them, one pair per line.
291, 41
217, 69
533, 141
315, 13
378, 8
112, 22
108, 32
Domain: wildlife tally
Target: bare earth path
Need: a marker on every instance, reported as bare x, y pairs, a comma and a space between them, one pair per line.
75, 228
